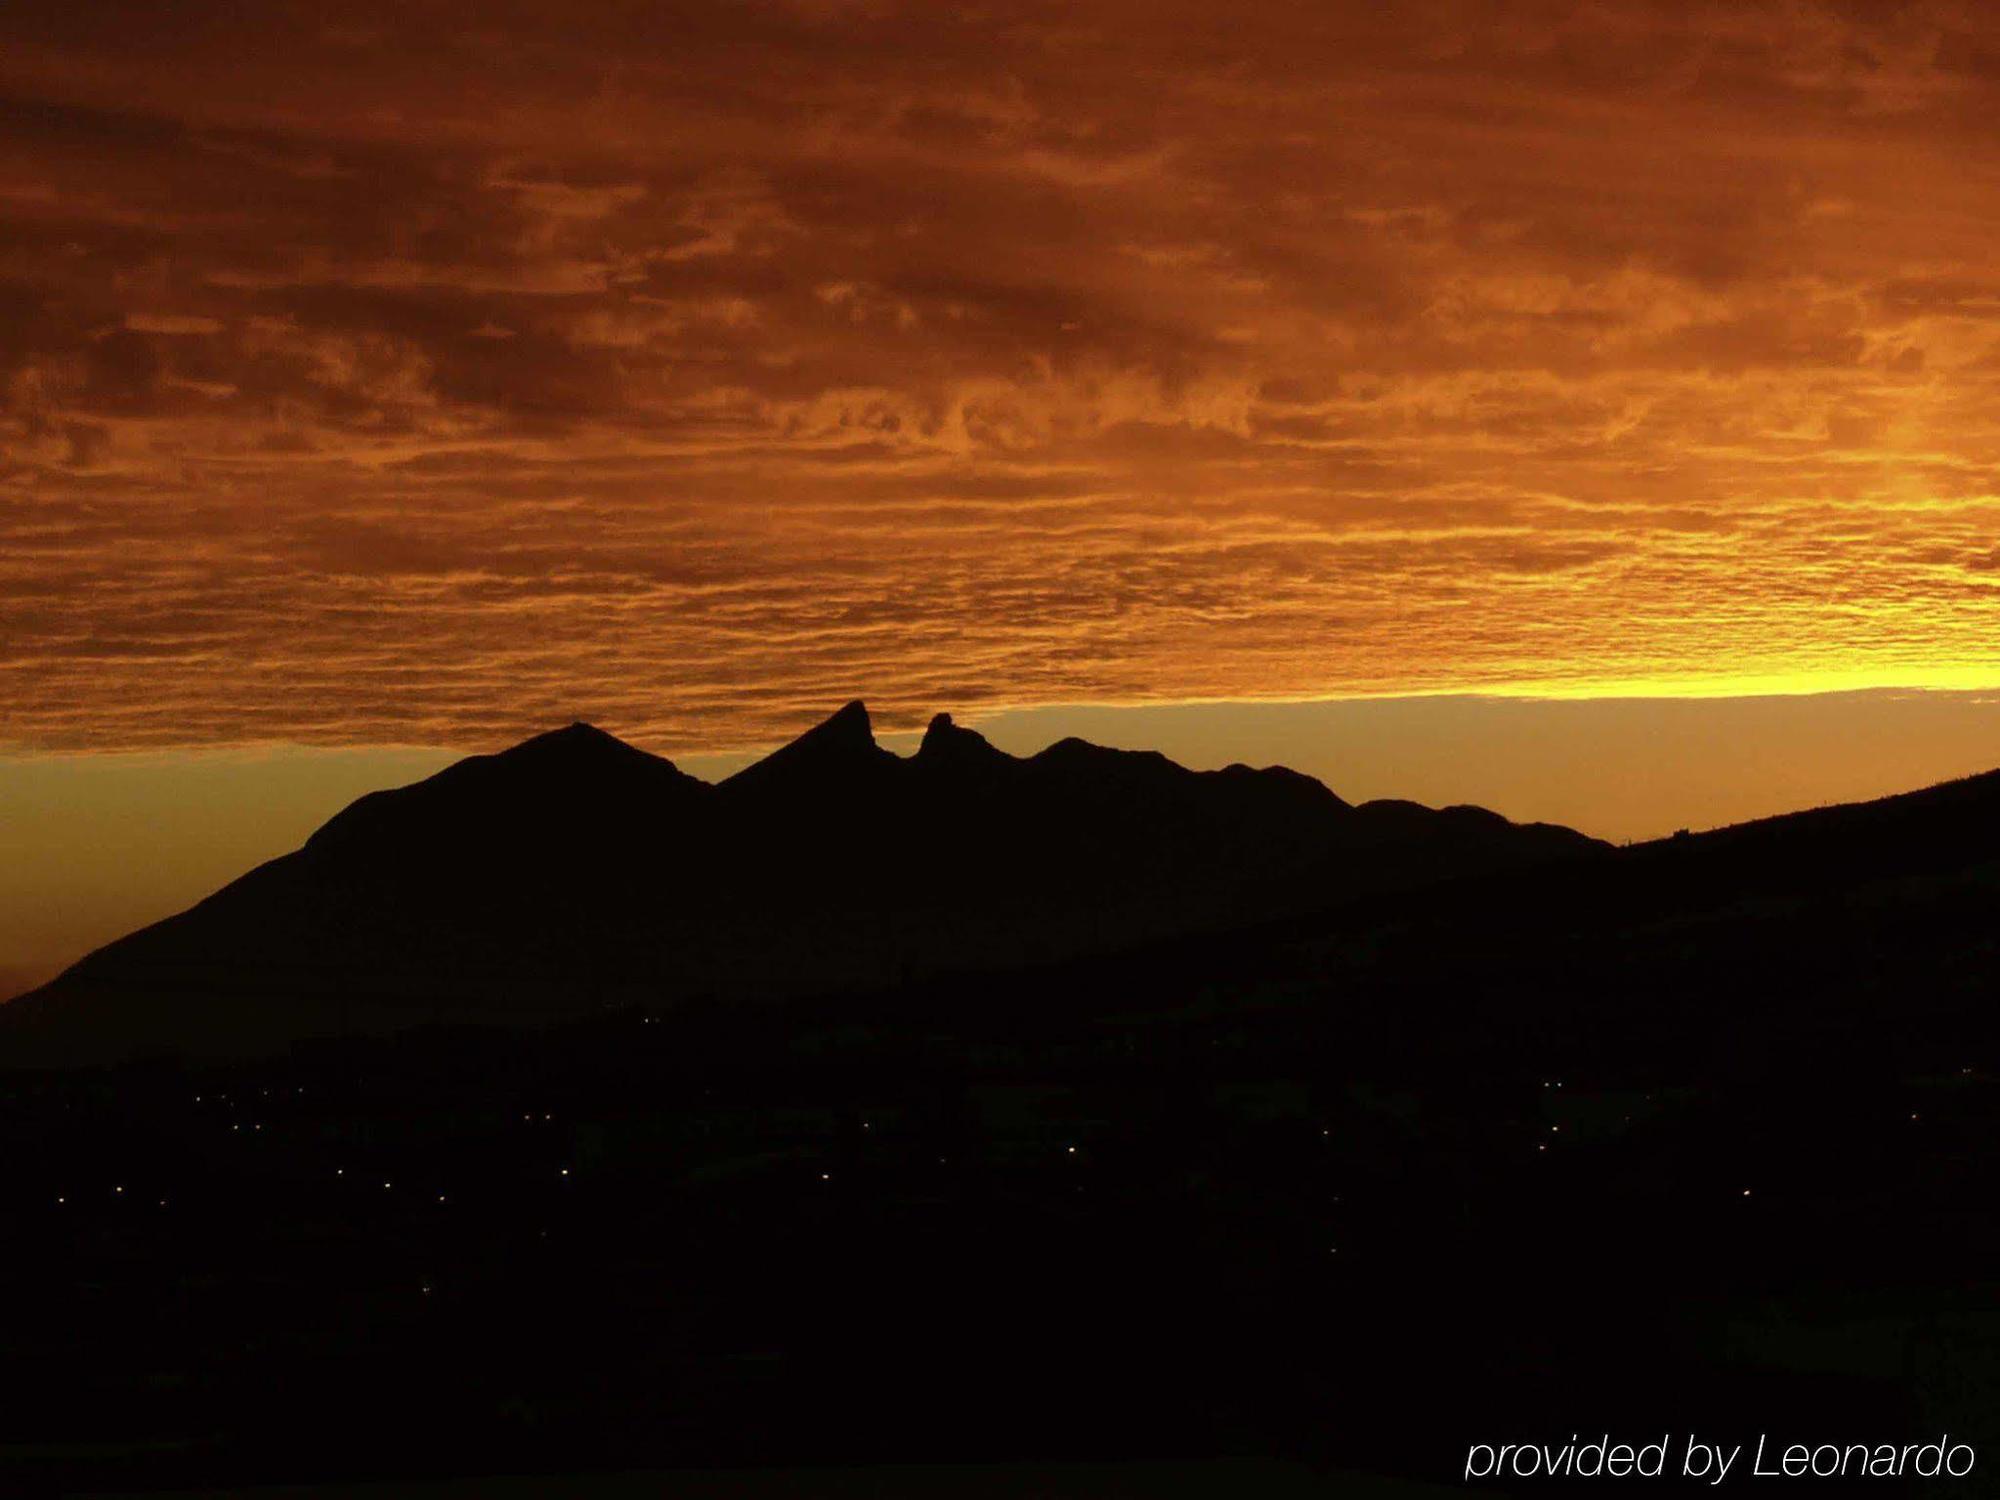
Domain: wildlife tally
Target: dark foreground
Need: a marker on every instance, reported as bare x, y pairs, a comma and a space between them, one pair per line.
1706, 1146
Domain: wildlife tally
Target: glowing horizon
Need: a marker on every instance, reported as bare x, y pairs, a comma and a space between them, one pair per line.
389, 387
93, 845
415, 379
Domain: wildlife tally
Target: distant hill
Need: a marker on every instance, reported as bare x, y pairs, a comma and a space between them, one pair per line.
574, 874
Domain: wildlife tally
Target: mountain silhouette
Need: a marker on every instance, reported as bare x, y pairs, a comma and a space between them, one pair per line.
1075, 1104
574, 874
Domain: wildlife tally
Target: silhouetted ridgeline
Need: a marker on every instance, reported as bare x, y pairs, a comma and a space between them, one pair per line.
1290, 1147
574, 874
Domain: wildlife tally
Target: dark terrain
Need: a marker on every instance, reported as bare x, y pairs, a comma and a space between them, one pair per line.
1192, 1120
574, 875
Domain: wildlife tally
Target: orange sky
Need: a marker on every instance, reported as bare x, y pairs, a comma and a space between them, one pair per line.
427, 374
424, 373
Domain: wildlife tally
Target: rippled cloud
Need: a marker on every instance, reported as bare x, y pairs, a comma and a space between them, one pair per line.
436, 372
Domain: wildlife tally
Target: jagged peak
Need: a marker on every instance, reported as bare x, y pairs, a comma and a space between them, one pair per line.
945, 742
848, 725
846, 738
846, 731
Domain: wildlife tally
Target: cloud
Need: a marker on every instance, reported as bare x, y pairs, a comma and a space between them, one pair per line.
431, 375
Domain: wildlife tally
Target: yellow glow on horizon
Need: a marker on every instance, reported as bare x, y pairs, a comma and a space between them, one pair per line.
1115, 356
1764, 684
93, 844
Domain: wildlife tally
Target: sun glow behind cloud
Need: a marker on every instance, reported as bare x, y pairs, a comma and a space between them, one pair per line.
439, 374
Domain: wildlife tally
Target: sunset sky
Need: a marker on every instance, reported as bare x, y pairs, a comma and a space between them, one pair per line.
384, 382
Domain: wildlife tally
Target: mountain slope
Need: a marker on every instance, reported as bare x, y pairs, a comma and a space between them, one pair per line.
574, 873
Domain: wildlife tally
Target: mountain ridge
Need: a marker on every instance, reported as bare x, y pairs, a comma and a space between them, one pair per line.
573, 872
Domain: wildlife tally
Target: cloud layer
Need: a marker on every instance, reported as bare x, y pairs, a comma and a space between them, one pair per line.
431, 373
